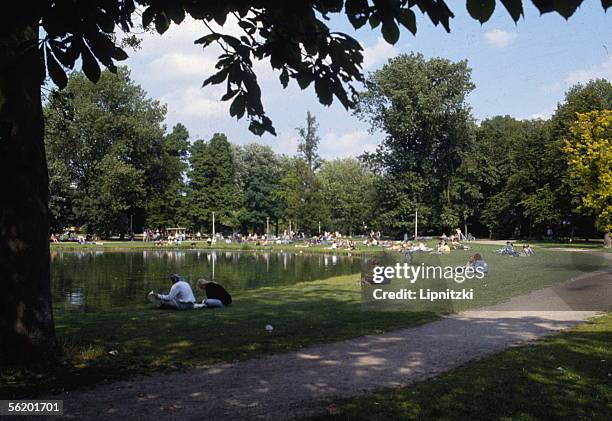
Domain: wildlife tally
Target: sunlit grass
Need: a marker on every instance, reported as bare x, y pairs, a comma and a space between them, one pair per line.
566, 377
303, 314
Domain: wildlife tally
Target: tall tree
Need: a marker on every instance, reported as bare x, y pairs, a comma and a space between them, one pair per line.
213, 185
105, 141
589, 155
581, 98
420, 105
301, 196
259, 174
347, 191
308, 143
50, 36
166, 204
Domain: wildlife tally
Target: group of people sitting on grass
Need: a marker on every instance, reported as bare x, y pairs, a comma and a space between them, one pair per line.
181, 295
508, 250
443, 246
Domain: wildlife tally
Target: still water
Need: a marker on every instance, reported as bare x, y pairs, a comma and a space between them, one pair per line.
100, 280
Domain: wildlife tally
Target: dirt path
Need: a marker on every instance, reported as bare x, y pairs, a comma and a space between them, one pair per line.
302, 383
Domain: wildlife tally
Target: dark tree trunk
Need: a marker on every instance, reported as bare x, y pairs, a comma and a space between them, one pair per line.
26, 317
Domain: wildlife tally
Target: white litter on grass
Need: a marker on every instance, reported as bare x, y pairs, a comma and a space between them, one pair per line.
269, 328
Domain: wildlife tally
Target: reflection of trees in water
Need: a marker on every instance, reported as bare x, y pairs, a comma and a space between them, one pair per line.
110, 279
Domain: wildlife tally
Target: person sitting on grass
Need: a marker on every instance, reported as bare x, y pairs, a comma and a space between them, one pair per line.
508, 249
476, 261
180, 296
442, 248
445, 248
216, 295
527, 251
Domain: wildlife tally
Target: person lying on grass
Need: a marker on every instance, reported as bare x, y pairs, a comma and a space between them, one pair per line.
216, 295
180, 296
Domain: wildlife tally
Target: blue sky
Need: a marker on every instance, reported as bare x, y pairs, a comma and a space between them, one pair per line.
521, 70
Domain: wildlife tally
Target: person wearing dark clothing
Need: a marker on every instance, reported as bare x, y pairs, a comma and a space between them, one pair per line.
216, 295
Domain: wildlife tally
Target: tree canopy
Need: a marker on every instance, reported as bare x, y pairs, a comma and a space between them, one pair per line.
589, 154
107, 152
294, 37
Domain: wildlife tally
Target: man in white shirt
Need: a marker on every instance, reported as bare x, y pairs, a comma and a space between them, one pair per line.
180, 296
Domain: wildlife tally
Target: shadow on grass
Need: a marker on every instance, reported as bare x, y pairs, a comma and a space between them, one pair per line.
563, 378
548, 381
148, 340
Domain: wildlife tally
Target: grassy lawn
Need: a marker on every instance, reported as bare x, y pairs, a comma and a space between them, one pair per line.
565, 377
507, 277
302, 314
592, 246
150, 340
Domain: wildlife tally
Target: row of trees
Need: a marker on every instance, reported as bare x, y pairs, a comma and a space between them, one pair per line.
501, 177
113, 167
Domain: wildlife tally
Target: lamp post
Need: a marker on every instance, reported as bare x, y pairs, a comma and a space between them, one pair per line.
213, 232
416, 223
268, 228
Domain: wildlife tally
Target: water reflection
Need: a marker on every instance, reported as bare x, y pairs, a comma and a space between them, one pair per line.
98, 280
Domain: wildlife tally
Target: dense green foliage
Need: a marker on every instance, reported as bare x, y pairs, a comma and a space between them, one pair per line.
105, 150
420, 106
503, 177
111, 162
293, 36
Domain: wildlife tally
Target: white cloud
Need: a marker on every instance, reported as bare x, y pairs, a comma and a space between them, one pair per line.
602, 71
539, 116
498, 38
377, 53
353, 144
194, 102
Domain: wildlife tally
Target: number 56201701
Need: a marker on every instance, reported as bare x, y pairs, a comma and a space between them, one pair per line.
31, 407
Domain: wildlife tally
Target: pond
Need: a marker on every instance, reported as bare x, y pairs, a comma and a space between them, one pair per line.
100, 280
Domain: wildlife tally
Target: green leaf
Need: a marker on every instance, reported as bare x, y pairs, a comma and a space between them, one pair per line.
565, 8
481, 10
161, 23
207, 39
357, 12
304, 79
284, 77
91, 68
323, 90
238, 107
56, 72
374, 20
390, 32
147, 16
256, 127
119, 54
175, 12
408, 19
217, 77
514, 7
229, 94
